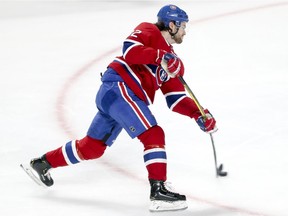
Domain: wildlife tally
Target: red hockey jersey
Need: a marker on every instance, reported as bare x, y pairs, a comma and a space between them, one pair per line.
139, 70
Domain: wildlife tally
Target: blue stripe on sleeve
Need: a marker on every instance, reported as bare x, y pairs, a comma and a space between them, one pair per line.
126, 45
171, 99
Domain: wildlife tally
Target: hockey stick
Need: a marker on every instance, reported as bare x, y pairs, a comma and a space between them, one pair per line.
219, 170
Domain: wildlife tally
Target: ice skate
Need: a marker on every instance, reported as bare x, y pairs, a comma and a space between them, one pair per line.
41, 166
165, 200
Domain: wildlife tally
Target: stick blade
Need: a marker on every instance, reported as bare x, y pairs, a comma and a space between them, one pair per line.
220, 171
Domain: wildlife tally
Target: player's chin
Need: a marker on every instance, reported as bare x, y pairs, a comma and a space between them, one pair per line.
179, 41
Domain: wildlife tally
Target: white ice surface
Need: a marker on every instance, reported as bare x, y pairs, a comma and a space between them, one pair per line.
236, 60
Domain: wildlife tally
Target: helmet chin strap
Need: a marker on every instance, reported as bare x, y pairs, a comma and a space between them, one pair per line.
173, 34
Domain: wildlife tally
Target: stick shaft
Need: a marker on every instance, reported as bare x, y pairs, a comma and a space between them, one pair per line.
192, 96
204, 116
215, 156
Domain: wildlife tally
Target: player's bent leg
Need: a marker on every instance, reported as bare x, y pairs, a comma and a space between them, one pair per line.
156, 163
72, 152
75, 151
89, 148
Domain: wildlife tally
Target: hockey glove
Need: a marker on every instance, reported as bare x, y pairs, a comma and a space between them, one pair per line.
172, 65
207, 124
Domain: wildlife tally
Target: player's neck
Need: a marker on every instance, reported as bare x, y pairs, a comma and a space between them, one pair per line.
167, 37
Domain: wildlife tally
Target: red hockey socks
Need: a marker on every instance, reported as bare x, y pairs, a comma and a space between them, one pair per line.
155, 161
154, 153
75, 151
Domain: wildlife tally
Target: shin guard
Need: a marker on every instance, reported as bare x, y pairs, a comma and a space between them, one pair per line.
154, 153
75, 151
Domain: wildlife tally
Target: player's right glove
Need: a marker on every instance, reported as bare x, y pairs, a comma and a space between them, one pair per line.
170, 63
207, 124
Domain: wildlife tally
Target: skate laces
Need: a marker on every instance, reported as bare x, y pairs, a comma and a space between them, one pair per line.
168, 186
46, 173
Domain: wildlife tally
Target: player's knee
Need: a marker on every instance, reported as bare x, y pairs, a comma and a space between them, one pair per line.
154, 137
89, 148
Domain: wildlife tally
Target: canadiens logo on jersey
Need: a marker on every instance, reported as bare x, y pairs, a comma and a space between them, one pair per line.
161, 76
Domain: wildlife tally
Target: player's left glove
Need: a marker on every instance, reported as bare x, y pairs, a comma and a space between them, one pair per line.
207, 124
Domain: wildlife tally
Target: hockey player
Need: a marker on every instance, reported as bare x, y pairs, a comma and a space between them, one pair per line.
128, 88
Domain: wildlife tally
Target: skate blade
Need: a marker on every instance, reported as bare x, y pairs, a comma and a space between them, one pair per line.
28, 170
160, 206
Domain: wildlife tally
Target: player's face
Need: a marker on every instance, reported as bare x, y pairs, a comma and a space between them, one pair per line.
181, 33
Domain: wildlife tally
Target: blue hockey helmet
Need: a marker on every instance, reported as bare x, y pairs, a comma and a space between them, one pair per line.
170, 13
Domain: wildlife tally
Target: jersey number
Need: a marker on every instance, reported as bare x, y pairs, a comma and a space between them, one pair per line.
134, 34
